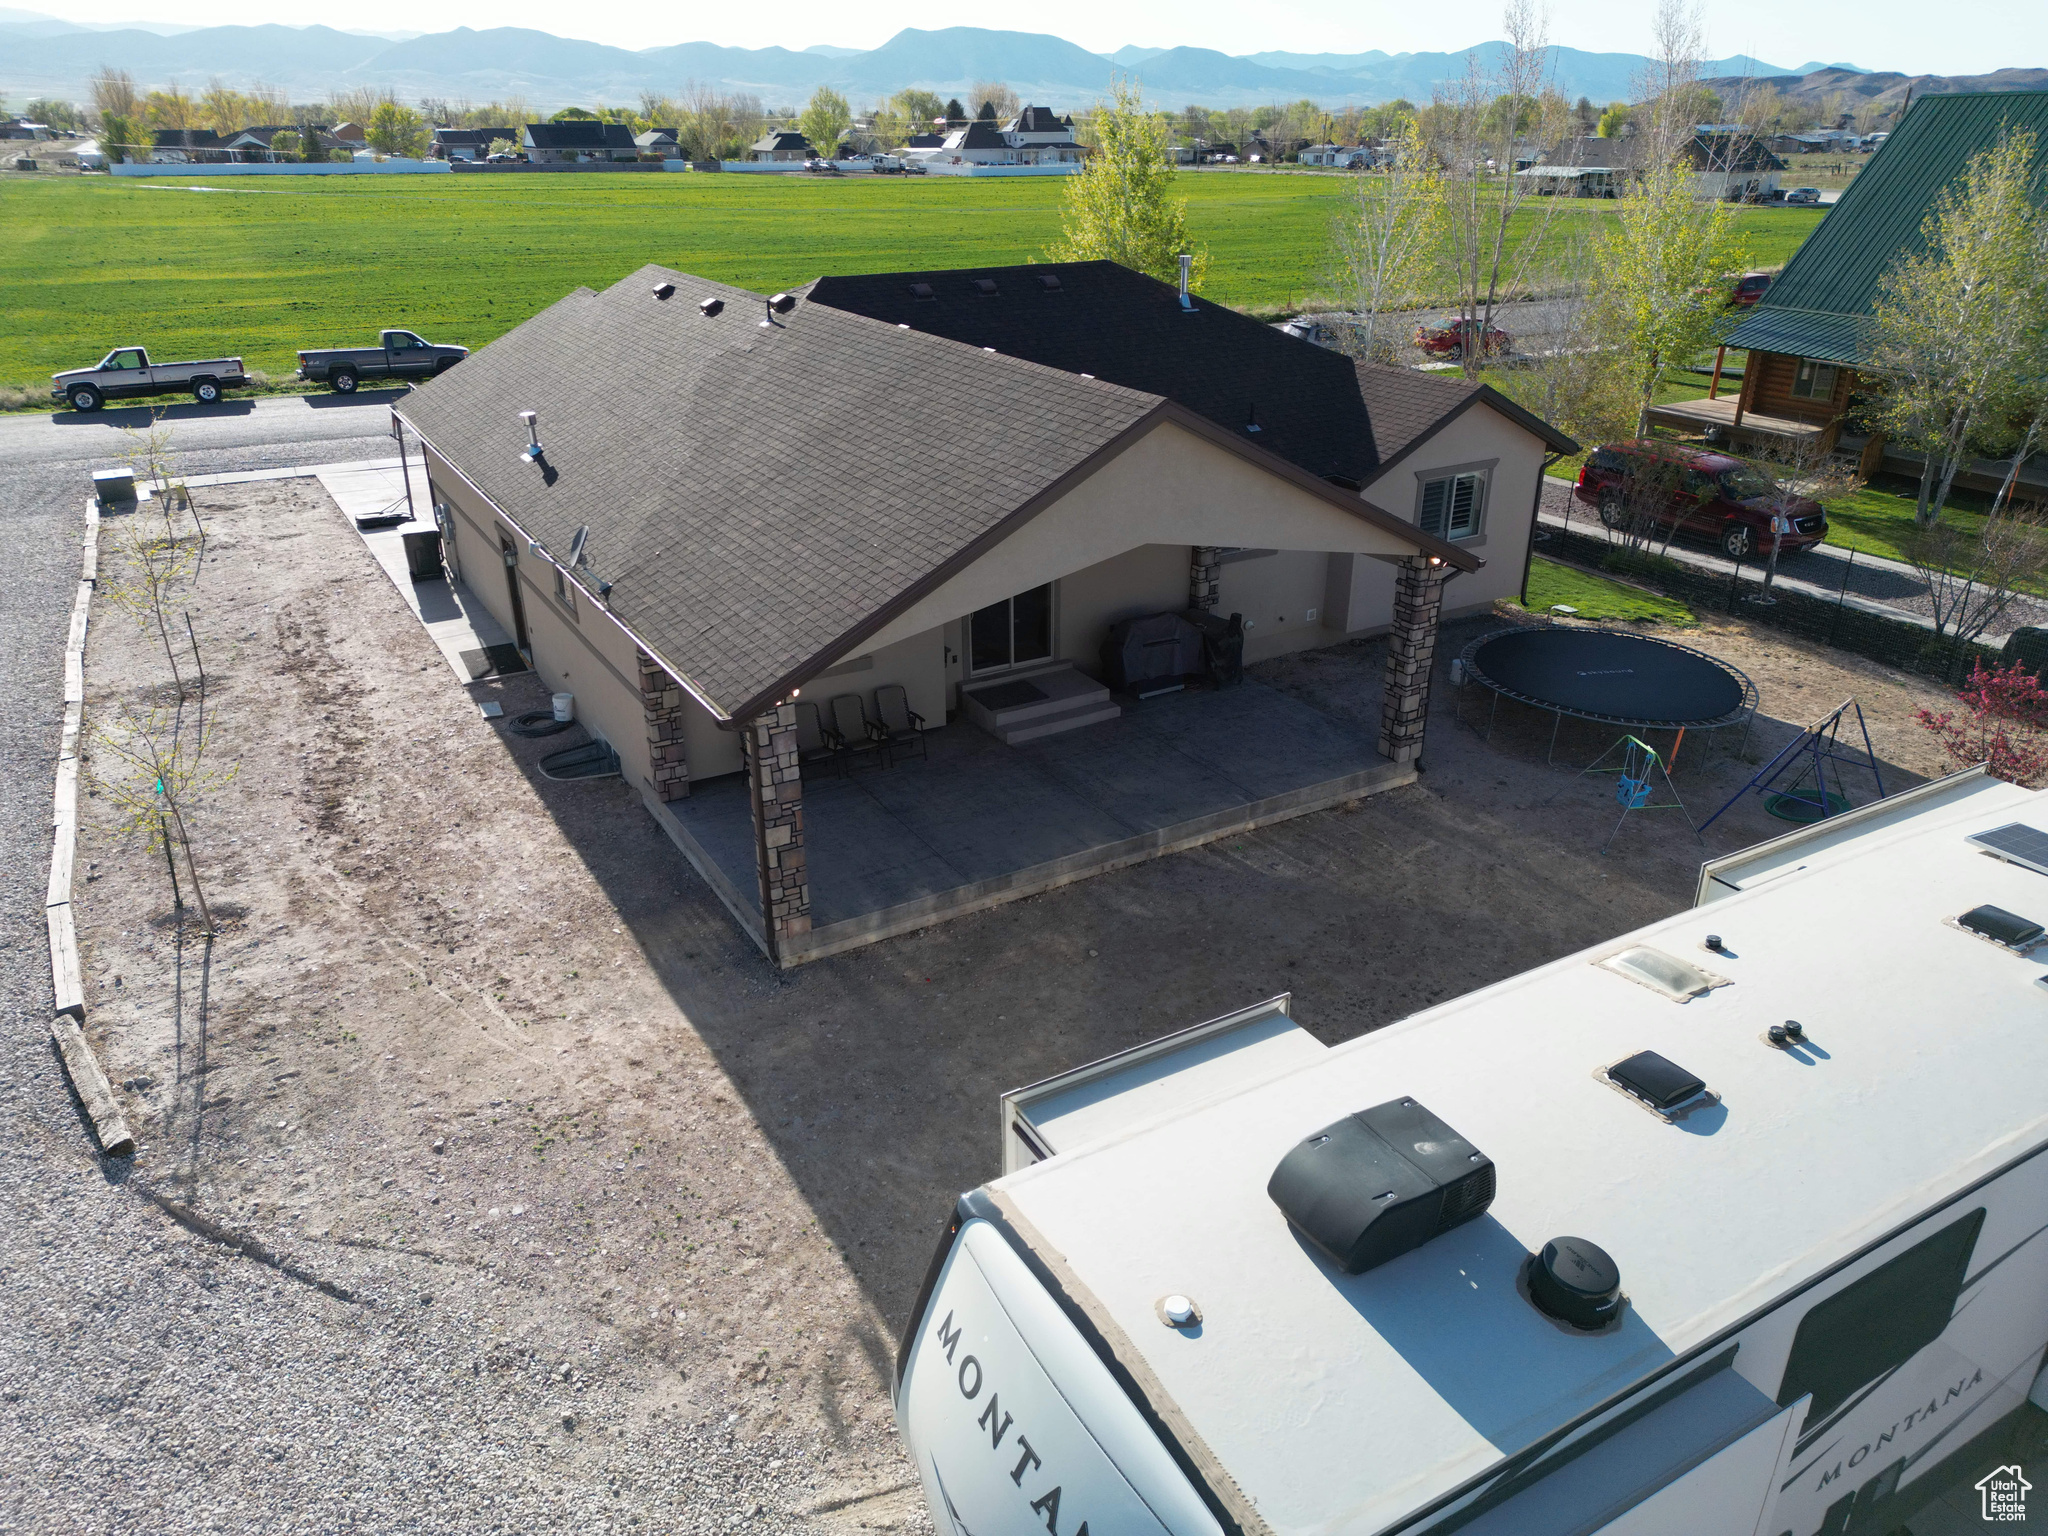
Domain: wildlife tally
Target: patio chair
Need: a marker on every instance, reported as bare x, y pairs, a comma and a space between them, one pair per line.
902, 726
814, 744
856, 732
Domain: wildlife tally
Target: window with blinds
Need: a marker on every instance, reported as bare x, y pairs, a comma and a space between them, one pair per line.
1452, 506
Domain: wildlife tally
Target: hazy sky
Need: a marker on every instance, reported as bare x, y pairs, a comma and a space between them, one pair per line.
1953, 37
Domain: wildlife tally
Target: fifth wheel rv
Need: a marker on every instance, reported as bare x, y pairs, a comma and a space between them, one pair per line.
1735, 1226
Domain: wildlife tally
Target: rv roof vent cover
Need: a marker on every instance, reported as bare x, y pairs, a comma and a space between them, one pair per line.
1659, 1082
1575, 1282
2002, 927
1679, 980
922, 291
1380, 1182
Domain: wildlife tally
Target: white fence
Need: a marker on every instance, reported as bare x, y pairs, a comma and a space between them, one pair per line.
316, 168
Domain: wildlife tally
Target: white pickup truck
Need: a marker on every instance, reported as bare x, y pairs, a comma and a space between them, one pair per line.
127, 373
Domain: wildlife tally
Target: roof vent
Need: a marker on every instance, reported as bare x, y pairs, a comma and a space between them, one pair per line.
986, 286
663, 290
2007, 929
1679, 980
1251, 416
1659, 1082
1576, 1282
1048, 282
709, 307
922, 292
1380, 1182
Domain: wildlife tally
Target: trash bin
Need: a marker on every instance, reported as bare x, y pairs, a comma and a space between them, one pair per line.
423, 555
1222, 644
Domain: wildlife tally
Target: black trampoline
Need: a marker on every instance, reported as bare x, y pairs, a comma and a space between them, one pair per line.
1610, 676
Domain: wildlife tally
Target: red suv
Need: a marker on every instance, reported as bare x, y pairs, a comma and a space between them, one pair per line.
1708, 494
1751, 287
1455, 337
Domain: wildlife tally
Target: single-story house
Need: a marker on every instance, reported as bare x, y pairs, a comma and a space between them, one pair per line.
1810, 338
1729, 168
1340, 155
349, 135
782, 144
252, 144
22, 128
468, 143
657, 141
184, 146
577, 139
956, 482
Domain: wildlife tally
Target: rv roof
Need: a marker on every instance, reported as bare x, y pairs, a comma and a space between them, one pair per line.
1347, 1402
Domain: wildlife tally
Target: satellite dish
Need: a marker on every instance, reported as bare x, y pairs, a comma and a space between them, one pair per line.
576, 546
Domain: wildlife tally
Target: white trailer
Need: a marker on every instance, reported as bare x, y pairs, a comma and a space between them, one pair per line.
1831, 1244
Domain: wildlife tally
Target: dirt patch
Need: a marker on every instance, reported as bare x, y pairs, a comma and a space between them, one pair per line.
727, 1179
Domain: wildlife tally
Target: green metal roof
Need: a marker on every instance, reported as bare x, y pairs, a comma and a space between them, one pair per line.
1821, 304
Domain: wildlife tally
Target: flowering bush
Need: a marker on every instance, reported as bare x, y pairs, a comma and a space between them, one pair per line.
2003, 724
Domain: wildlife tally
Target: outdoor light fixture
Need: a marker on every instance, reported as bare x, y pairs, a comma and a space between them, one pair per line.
532, 451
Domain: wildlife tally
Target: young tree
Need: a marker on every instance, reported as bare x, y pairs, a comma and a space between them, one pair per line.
919, 108
994, 100
2003, 725
1958, 317
1664, 267
1120, 206
1389, 237
170, 108
220, 108
151, 763
114, 93
825, 117
285, 144
1972, 578
956, 115
396, 130
1493, 247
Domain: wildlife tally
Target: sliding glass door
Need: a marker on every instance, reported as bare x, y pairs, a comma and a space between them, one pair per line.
1010, 633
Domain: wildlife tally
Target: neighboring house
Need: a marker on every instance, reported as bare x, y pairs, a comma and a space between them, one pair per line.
468, 143
943, 480
577, 140
1725, 167
349, 135
187, 146
22, 128
1035, 136
780, 144
924, 141
661, 142
253, 143
1811, 334
1340, 155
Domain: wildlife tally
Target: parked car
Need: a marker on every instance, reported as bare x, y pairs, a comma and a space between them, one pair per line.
1748, 289
1807, 195
126, 373
501, 158
1454, 338
397, 355
1699, 493
819, 163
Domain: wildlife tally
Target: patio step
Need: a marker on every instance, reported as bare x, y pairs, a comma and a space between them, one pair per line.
1005, 705
1071, 718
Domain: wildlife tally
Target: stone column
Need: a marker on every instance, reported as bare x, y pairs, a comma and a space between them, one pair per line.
661, 701
768, 743
1205, 577
1411, 650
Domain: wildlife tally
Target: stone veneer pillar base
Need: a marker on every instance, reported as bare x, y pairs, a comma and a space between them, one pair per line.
1411, 650
661, 701
768, 743
1205, 577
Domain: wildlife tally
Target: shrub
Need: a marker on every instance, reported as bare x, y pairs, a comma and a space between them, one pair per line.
2003, 724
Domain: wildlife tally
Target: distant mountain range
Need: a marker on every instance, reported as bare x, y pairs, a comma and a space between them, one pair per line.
1858, 87
45, 56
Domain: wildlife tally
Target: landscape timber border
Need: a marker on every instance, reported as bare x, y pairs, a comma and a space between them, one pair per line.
67, 1018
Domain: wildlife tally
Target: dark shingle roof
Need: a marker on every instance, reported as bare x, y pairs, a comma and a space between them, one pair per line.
479, 138
761, 497
187, 138
979, 134
580, 133
1036, 120
1313, 406
1821, 306
782, 138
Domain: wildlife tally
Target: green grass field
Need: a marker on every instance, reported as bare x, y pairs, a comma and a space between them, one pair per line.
264, 267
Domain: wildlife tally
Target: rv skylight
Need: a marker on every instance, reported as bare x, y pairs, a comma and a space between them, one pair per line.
1679, 980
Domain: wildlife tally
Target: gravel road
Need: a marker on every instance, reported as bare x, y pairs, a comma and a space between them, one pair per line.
153, 1378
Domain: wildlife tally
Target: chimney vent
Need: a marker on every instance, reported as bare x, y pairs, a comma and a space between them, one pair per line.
1187, 262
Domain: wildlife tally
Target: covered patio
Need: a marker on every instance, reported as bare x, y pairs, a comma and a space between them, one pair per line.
975, 822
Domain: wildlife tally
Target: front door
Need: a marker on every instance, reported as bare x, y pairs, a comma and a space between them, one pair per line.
511, 555
1011, 633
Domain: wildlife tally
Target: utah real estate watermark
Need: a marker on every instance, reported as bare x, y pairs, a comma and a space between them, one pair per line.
2004, 1492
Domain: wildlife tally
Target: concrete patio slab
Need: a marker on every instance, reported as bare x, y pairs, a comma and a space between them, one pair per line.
975, 822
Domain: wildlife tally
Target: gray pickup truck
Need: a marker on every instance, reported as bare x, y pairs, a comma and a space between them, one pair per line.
127, 373
397, 355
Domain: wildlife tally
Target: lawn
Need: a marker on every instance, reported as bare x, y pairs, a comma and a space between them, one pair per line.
264, 267
1599, 598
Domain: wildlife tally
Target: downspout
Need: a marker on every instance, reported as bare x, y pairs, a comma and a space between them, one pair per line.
1535, 506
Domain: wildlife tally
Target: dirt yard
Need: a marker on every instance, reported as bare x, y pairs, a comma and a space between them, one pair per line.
478, 1050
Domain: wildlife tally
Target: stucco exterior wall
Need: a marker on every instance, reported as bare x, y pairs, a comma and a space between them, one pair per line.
917, 661
1153, 578
1281, 596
